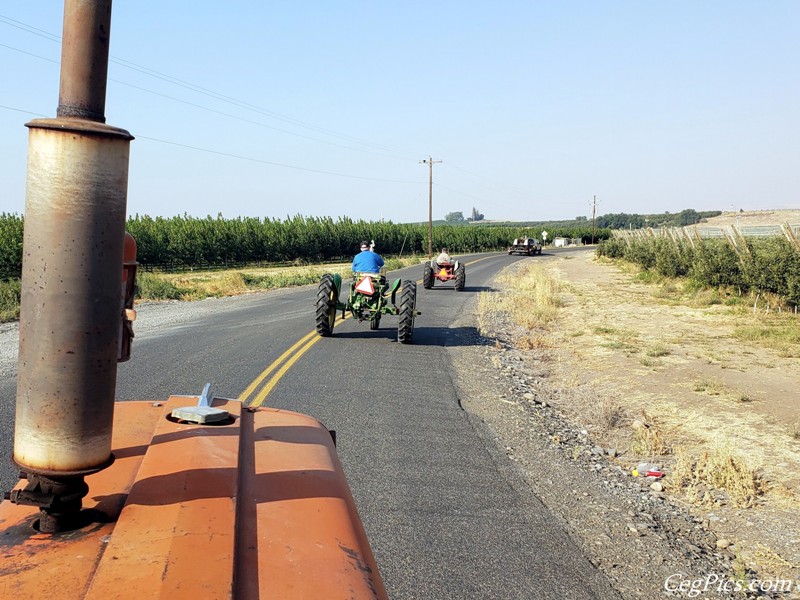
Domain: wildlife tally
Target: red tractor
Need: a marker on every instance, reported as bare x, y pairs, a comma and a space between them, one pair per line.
444, 272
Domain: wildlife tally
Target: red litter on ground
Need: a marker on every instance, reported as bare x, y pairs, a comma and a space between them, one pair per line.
654, 474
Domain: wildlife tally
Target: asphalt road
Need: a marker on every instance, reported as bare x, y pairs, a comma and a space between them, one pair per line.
445, 512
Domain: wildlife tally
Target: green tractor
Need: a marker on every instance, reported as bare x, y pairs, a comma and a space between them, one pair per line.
370, 298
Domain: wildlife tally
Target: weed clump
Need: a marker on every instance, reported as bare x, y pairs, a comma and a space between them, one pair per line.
9, 300
717, 469
648, 437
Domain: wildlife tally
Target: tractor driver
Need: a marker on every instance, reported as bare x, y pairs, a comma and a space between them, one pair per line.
442, 259
367, 261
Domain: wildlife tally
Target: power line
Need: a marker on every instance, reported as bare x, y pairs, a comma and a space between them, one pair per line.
29, 28
237, 156
267, 162
27, 112
251, 107
242, 119
211, 110
204, 91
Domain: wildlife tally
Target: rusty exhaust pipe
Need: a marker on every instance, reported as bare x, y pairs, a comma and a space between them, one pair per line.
70, 315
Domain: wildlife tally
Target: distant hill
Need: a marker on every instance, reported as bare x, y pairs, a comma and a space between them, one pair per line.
756, 217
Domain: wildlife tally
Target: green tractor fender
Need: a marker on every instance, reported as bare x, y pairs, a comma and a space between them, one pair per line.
337, 283
395, 287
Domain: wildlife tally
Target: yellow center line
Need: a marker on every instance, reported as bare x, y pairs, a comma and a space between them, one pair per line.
477, 260
262, 395
257, 381
288, 358
308, 340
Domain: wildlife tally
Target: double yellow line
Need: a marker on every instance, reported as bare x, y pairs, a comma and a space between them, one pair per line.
284, 362
287, 359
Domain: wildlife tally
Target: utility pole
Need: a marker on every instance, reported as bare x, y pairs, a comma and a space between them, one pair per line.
429, 161
594, 207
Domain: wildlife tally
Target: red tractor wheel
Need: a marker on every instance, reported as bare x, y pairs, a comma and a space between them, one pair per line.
427, 277
460, 278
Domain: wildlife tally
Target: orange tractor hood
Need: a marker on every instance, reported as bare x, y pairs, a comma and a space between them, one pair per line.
255, 507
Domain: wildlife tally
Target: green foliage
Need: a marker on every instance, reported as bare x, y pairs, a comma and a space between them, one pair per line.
717, 264
9, 300
766, 265
774, 266
151, 287
280, 280
672, 260
392, 264
10, 246
186, 242
635, 221
455, 217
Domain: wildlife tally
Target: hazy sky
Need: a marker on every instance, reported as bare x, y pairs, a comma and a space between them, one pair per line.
326, 108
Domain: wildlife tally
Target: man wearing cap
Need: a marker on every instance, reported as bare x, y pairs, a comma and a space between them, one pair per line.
367, 261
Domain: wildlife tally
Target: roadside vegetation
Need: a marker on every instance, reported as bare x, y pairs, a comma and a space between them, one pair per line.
530, 298
198, 285
9, 300
725, 270
674, 371
201, 284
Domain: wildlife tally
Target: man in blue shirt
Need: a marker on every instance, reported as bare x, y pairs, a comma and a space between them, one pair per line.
367, 261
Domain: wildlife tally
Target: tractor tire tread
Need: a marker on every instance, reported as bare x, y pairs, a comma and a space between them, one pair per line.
324, 308
406, 309
460, 278
427, 277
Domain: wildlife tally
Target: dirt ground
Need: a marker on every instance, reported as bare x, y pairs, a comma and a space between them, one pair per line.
756, 217
625, 359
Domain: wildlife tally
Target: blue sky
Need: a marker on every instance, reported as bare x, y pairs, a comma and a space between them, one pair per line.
326, 108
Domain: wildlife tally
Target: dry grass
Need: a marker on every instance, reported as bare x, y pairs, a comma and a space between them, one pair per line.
196, 285
712, 387
717, 468
530, 298
657, 349
773, 563
649, 438
605, 415
532, 342
778, 332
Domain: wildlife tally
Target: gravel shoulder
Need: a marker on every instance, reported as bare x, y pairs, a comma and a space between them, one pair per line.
541, 408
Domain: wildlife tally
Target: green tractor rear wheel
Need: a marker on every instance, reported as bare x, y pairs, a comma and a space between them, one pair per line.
375, 323
326, 305
407, 309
